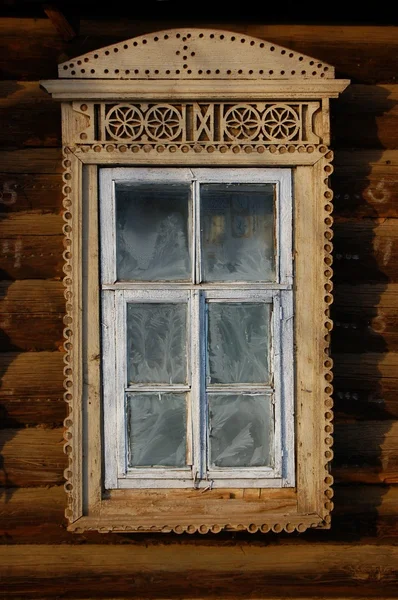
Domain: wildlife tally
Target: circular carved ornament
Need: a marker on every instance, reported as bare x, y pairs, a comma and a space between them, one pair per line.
163, 122
280, 122
124, 122
242, 122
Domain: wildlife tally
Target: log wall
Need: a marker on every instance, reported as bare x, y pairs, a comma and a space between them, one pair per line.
358, 556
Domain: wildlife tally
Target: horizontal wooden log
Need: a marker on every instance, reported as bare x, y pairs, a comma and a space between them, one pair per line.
364, 189
22, 192
32, 257
23, 411
366, 116
362, 512
31, 48
365, 318
31, 160
32, 457
31, 117
24, 332
34, 375
366, 250
365, 451
32, 297
201, 570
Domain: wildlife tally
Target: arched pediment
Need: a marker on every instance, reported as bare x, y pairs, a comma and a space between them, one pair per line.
195, 54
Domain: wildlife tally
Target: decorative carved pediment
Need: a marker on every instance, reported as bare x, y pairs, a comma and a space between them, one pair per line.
195, 54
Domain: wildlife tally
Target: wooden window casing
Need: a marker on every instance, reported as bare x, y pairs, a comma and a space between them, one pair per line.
111, 118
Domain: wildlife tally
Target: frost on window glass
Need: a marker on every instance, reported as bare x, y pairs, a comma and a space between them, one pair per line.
156, 343
152, 232
238, 342
241, 430
156, 426
238, 232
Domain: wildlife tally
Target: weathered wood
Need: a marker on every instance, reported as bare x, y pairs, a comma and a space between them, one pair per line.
22, 411
32, 297
34, 375
26, 332
365, 189
63, 26
362, 512
29, 116
32, 257
365, 318
31, 48
366, 116
32, 457
366, 250
365, 452
201, 570
22, 192
32, 160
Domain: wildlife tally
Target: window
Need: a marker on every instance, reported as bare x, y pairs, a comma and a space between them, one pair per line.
197, 327
197, 273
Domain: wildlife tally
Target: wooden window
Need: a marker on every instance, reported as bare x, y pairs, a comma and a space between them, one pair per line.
197, 206
197, 326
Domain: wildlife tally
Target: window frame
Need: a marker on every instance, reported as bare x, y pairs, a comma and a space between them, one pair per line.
116, 294
202, 97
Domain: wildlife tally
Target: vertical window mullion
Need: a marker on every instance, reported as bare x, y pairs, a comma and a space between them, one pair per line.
196, 214
197, 402
121, 380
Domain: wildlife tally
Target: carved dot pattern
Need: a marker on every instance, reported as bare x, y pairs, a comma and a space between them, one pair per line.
68, 335
328, 363
172, 39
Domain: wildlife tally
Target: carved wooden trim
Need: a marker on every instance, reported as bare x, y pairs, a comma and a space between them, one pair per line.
266, 119
195, 54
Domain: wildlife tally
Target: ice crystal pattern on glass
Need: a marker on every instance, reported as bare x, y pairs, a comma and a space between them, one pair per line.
241, 430
152, 232
238, 342
156, 430
156, 343
238, 232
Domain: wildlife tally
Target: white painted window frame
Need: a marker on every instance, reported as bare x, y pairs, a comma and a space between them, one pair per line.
116, 295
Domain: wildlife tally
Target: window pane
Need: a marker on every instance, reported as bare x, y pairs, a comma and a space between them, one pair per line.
237, 223
241, 430
152, 232
156, 343
156, 429
238, 342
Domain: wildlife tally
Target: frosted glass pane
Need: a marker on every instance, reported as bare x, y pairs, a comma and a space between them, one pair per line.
156, 429
152, 232
156, 343
238, 342
237, 223
240, 430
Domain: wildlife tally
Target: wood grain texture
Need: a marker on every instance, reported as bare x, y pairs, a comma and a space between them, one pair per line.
34, 375
32, 457
236, 571
366, 116
363, 53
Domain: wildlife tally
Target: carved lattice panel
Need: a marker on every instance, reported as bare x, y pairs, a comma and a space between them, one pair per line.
262, 122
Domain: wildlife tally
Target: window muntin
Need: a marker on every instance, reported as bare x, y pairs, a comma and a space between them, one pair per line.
194, 455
